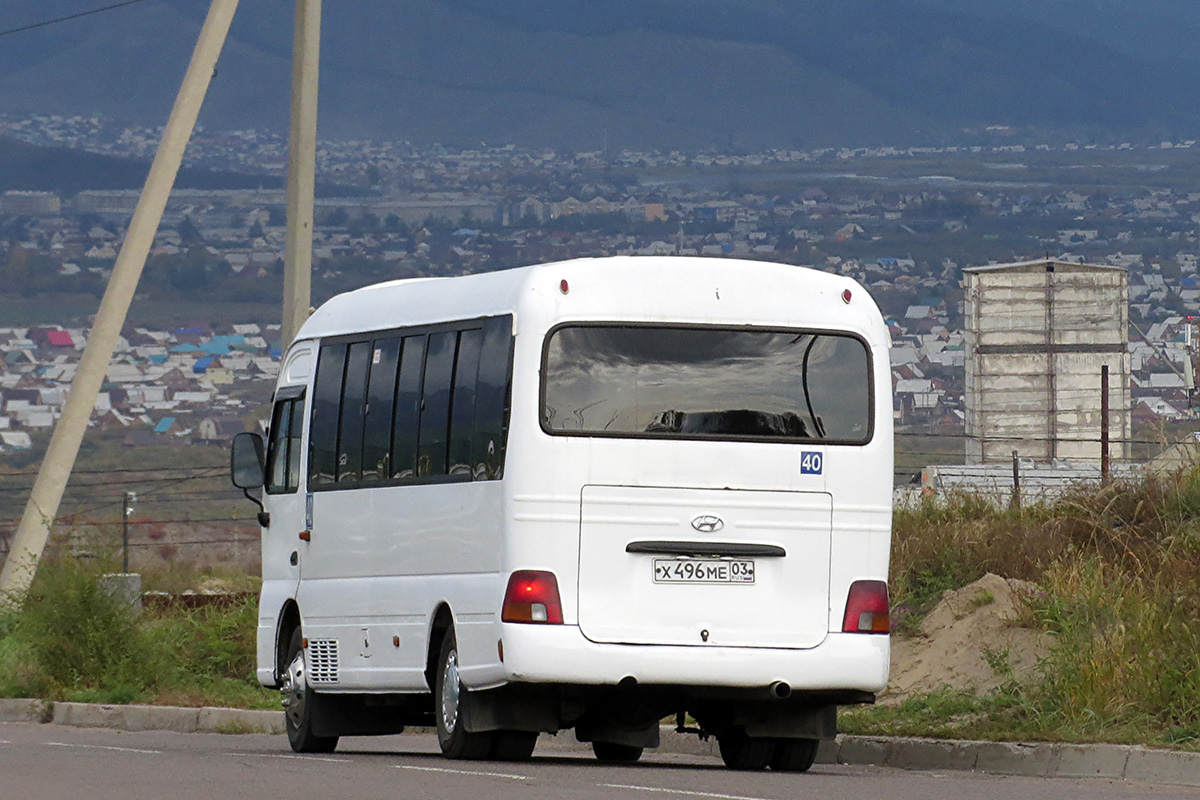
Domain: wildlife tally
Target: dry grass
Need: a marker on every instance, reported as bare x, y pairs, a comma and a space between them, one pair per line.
1117, 570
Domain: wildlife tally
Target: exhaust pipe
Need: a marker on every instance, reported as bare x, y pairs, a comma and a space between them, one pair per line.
781, 690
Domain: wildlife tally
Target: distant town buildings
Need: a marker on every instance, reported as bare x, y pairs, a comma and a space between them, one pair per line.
167, 385
403, 211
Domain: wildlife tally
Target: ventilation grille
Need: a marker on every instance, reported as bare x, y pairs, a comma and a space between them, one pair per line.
322, 661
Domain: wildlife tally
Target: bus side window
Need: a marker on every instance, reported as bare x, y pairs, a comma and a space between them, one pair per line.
295, 441
354, 400
491, 404
323, 430
432, 441
381, 398
407, 419
283, 451
463, 402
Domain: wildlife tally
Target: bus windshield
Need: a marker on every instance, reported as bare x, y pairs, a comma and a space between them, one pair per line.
655, 381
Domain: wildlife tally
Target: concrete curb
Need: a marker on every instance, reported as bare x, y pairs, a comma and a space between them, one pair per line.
1045, 760
24, 711
167, 718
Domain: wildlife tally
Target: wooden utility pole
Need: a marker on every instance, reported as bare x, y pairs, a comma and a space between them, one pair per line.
302, 165
42, 507
1104, 466
1015, 502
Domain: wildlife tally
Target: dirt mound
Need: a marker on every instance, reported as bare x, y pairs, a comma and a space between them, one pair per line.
972, 640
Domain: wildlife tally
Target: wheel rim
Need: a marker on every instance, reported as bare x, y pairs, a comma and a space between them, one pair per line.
293, 690
450, 692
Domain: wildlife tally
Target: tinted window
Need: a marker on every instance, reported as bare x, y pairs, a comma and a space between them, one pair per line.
462, 408
327, 395
354, 401
381, 394
707, 383
283, 451
417, 407
491, 404
408, 408
435, 404
295, 444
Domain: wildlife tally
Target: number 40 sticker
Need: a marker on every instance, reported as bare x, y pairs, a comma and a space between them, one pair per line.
811, 463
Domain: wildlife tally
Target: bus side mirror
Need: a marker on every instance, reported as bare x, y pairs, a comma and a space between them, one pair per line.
247, 466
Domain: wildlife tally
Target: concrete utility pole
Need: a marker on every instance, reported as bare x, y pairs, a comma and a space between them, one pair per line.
302, 166
47, 492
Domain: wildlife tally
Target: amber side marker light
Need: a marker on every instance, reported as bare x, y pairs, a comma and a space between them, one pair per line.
532, 596
867, 608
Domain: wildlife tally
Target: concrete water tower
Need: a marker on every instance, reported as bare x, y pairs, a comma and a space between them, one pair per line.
1038, 335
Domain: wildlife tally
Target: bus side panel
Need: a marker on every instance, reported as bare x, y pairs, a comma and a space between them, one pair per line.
861, 479
380, 562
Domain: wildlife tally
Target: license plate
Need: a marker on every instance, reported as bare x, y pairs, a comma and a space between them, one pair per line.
703, 570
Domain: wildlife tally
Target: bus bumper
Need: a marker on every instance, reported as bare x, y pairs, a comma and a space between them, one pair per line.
562, 654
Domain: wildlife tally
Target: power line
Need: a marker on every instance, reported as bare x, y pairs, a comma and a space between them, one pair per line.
165, 483
69, 17
93, 486
248, 521
136, 470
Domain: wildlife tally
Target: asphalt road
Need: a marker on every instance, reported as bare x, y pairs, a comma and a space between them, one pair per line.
52, 762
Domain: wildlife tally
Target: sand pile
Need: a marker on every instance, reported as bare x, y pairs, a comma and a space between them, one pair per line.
967, 641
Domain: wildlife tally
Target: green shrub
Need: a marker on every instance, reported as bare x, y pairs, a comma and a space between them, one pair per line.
77, 633
71, 640
20, 674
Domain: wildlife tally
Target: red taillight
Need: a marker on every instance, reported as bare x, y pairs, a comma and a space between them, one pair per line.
532, 596
867, 608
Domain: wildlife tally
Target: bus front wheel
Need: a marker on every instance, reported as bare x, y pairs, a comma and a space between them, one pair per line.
299, 701
452, 701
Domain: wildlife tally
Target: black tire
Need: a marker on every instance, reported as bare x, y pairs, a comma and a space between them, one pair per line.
743, 752
300, 701
513, 745
612, 753
450, 699
794, 755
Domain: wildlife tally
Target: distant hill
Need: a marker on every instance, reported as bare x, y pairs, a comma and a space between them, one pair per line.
26, 167
641, 73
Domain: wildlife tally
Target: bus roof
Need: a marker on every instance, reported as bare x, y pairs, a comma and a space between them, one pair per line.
651, 288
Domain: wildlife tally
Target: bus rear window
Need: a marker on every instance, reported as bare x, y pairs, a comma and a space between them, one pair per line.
706, 383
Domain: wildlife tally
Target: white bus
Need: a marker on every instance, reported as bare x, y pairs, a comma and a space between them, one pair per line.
591, 494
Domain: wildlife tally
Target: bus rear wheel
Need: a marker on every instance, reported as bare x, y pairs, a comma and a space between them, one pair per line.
452, 700
513, 745
743, 752
299, 703
613, 753
794, 755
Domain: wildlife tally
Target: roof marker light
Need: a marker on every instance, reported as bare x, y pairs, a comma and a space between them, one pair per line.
846, 295
563, 287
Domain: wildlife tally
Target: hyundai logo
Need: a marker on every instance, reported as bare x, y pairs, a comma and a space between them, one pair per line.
707, 523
